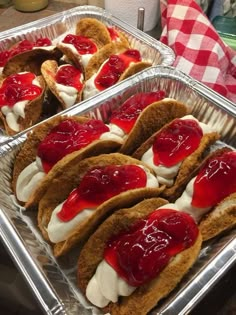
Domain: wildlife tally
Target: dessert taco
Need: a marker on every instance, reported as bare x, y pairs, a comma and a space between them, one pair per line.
209, 196
213, 194
175, 151
52, 147
111, 64
142, 253
140, 118
66, 82
21, 101
89, 192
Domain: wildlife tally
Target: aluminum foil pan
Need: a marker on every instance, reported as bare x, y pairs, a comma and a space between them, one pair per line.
54, 281
57, 26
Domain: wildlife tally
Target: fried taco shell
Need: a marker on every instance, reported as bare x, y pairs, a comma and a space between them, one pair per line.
93, 29
220, 219
30, 61
145, 297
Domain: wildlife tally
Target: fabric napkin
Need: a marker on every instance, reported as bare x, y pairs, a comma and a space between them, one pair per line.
200, 52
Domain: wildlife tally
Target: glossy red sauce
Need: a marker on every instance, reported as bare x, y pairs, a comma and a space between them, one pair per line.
70, 76
101, 184
114, 67
113, 33
21, 47
18, 87
215, 181
126, 115
173, 144
67, 137
82, 44
141, 253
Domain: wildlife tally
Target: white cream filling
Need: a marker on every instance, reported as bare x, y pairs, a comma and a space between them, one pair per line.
165, 174
17, 110
106, 286
51, 47
28, 180
90, 88
59, 231
115, 133
67, 93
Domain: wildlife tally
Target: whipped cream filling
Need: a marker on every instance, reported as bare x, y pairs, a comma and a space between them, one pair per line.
28, 180
49, 48
115, 133
166, 175
17, 110
67, 93
59, 231
90, 88
106, 286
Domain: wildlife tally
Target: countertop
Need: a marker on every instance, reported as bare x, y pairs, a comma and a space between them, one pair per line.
221, 300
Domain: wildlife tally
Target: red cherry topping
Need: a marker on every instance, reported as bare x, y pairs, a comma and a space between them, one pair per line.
70, 76
114, 67
99, 185
18, 87
126, 115
43, 42
82, 44
177, 141
141, 253
113, 33
67, 137
215, 181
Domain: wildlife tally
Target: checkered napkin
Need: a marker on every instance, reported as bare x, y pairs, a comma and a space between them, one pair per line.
199, 50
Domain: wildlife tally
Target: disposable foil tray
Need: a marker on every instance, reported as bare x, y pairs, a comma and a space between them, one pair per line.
53, 281
56, 27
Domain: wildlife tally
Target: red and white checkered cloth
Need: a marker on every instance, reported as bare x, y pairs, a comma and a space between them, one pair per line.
199, 50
